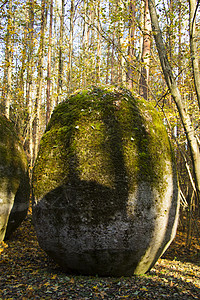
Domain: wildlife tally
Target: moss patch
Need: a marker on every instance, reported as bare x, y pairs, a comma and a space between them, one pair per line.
103, 135
14, 180
13, 161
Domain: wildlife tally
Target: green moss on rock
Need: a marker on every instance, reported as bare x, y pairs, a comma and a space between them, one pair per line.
91, 130
104, 185
14, 180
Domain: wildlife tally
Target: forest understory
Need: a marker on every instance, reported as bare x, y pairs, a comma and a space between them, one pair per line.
28, 273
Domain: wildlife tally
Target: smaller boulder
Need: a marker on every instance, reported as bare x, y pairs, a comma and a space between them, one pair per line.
14, 180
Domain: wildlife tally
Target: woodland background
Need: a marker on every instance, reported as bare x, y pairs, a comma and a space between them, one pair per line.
51, 48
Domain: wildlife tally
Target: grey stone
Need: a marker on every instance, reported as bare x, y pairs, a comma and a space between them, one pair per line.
105, 191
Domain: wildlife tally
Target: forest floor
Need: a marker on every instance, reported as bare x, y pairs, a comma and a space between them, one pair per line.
26, 272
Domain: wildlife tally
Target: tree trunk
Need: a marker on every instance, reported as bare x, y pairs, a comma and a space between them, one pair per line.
60, 59
107, 63
92, 71
29, 85
85, 44
112, 28
112, 71
48, 111
9, 60
193, 47
170, 29
121, 78
179, 42
24, 54
131, 49
98, 57
40, 77
71, 44
170, 80
146, 48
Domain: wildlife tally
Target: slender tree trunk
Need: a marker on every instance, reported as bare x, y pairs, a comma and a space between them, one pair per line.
121, 62
60, 59
110, 53
189, 221
71, 44
21, 82
9, 60
131, 50
30, 5
170, 29
48, 111
29, 85
170, 80
40, 77
98, 58
112, 71
4, 88
24, 54
88, 53
193, 47
108, 63
92, 44
142, 9
179, 42
144, 76
85, 43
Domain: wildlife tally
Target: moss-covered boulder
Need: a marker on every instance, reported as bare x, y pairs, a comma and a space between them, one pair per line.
105, 185
14, 180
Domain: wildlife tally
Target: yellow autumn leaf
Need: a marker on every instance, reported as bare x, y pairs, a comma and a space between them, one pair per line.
72, 280
47, 283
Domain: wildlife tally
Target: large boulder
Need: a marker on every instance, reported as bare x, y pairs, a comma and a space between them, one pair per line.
14, 180
105, 185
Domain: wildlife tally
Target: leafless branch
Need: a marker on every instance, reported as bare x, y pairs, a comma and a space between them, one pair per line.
2, 5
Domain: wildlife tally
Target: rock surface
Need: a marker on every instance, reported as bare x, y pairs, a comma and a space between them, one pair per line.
14, 180
104, 184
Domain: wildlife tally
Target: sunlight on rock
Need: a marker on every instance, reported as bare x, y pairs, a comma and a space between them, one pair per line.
105, 185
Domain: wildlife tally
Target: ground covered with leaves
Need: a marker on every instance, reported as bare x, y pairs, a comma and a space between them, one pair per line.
26, 272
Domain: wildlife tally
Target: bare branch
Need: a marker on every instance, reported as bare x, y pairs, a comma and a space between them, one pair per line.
2, 5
